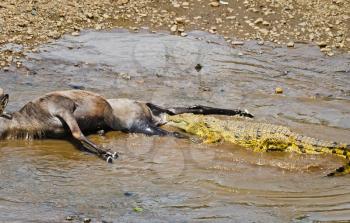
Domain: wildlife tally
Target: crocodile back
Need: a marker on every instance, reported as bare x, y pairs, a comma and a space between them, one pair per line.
261, 137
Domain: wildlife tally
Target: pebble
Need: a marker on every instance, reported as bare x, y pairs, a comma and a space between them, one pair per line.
290, 44
69, 218
173, 28
128, 194
87, 220
212, 30
259, 20
321, 44
180, 20
223, 2
185, 4
138, 209
265, 23
89, 15
198, 67
214, 4
237, 43
279, 90
231, 17
54, 34
75, 34
181, 29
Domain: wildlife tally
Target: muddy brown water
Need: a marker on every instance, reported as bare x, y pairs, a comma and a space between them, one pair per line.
176, 180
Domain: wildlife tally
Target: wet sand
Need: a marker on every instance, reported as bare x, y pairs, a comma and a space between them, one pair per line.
176, 180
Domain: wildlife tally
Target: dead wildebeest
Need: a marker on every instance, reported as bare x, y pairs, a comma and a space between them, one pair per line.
60, 113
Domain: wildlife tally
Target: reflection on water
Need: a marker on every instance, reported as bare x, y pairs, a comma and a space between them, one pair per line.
178, 180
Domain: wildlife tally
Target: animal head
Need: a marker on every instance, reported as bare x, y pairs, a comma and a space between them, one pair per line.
4, 99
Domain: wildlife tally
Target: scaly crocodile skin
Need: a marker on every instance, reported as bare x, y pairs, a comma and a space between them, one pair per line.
258, 136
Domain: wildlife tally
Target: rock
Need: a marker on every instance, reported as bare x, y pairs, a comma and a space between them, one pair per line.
138, 209
265, 23
89, 15
54, 34
75, 33
173, 28
258, 21
330, 53
183, 34
322, 44
279, 90
180, 20
214, 4
98, 27
212, 29
218, 20
181, 29
87, 220
185, 4
69, 218
290, 44
198, 67
237, 43
264, 31
325, 49
124, 76
128, 194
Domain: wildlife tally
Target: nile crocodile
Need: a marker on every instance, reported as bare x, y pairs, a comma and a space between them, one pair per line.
258, 136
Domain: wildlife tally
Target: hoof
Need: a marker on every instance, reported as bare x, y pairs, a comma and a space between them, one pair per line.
109, 160
115, 155
246, 113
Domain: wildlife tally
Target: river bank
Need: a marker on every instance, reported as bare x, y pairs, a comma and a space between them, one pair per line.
26, 24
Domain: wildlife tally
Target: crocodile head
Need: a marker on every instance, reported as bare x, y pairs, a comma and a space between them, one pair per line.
199, 125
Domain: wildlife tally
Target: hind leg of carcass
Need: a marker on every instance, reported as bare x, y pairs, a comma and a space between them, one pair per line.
198, 109
69, 119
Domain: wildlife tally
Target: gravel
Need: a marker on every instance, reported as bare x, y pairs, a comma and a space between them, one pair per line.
29, 23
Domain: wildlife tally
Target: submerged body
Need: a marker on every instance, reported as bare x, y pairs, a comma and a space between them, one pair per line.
258, 136
42, 117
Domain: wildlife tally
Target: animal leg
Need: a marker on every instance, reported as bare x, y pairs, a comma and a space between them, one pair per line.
198, 109
69, 119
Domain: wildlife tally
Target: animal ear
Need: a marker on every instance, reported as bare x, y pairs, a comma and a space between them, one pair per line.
4, 99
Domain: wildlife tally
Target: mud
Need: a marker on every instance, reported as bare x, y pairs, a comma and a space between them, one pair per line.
179, 180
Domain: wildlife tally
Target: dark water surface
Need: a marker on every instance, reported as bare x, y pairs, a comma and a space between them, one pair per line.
175, 180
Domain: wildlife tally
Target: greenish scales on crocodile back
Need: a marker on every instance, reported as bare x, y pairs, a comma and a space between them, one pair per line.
260, 137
